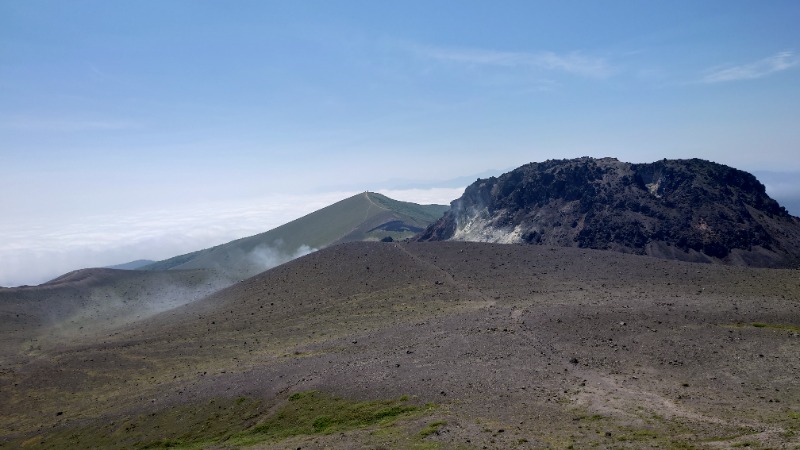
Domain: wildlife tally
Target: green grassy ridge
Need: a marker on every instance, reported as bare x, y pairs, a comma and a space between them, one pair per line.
346, 220
423, 213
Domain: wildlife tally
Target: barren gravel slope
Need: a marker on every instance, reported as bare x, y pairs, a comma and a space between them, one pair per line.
515, 347
83, 304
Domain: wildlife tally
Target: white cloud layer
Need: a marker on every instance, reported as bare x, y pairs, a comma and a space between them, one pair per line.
758, 69
32, 253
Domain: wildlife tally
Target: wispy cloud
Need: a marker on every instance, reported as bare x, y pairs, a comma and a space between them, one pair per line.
66, 125
758, 69
575, 63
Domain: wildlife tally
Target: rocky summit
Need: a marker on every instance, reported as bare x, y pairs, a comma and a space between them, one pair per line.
690, 210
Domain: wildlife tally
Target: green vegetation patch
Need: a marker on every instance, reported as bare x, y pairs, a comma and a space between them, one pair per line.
655, 431
432, 428
792, 425
776, 326
229, 422
589, 418
314, 412
422, 213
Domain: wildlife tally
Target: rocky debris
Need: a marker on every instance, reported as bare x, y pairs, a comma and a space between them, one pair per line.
497, 342
691, 210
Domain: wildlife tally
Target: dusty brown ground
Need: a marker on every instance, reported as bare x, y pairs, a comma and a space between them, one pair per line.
517, 347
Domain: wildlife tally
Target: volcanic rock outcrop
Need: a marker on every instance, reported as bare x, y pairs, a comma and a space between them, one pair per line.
691, 210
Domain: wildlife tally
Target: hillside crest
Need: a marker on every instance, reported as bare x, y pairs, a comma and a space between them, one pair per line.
362, 217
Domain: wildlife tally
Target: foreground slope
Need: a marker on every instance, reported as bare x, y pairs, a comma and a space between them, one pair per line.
690, 210
493, 346
366, 216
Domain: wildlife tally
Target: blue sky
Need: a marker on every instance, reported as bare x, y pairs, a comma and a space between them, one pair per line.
115, 111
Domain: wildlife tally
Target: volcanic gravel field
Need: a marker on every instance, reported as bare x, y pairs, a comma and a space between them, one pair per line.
481, 345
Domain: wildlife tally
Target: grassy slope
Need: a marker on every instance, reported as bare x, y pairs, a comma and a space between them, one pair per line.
344, 221
421, 215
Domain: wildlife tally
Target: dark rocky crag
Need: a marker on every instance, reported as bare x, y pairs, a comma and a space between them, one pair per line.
690, 210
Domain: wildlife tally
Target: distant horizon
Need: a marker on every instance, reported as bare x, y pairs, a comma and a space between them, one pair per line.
161, 237
40, 254
147, 129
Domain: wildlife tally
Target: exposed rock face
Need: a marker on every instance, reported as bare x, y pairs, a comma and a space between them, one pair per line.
691, 210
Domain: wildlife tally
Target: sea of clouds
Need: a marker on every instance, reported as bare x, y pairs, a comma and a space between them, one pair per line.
35, 251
